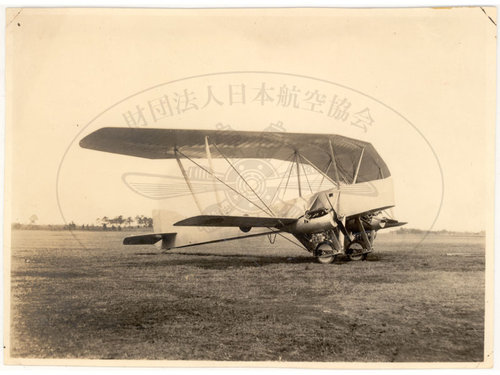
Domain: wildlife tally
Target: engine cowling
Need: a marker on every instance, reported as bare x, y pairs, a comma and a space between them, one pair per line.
314, 225
372, 222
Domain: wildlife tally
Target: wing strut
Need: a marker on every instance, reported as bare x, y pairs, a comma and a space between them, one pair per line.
359, 165
298, 172
188, 182
305, 174
288, 178
210, 165
332, 155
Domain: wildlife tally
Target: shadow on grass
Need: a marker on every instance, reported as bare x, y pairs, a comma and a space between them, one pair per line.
225, 261
207, 260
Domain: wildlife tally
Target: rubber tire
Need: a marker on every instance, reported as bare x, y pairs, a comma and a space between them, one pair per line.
326, 245
358, 246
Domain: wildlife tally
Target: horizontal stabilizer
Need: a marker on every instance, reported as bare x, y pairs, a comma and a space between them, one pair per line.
235, 221
146, 239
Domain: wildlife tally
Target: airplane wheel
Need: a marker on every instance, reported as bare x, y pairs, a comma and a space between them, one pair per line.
355, 251
325, 252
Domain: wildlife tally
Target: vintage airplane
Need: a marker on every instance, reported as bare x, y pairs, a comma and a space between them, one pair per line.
340, 220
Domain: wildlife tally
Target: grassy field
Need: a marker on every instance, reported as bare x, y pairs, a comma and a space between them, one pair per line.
245, 301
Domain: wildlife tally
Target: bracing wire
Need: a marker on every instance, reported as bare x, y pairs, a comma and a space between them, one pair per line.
244, 180
283, 178
218, 179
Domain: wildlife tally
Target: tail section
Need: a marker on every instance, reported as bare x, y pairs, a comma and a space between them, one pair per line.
151, 239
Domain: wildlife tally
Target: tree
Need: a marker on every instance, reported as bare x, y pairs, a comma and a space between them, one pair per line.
139, 219
119, 220
129, 221
144, 221
105, 222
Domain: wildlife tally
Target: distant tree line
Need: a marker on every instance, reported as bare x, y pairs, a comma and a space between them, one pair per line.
117, 222
403, 230
104, 223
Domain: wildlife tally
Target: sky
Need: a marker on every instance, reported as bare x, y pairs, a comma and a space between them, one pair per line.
425, 75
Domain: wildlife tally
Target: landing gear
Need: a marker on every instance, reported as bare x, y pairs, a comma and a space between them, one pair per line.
325, 252
356, 251
328, 245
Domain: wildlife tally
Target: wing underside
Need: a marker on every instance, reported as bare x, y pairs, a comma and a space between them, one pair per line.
235, 221
315, 148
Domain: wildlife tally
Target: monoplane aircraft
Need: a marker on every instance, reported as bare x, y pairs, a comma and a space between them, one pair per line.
341, 220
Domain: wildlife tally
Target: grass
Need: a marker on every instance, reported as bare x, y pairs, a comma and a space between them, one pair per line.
245, 301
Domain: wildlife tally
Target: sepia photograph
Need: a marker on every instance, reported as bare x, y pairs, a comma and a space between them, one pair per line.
269, 187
